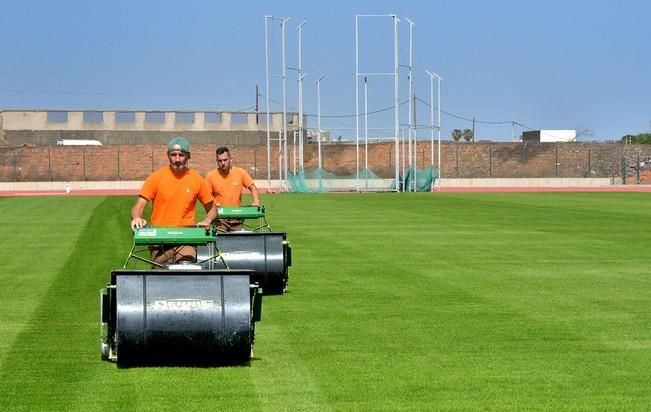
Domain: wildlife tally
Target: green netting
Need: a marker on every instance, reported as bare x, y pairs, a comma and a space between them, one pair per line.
419, 179
320, 180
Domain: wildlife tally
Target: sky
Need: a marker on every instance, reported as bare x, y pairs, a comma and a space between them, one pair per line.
512, 65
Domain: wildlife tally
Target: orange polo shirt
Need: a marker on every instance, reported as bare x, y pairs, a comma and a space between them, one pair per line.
227, 187
174, 197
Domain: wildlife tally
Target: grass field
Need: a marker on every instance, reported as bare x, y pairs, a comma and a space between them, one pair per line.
535, 301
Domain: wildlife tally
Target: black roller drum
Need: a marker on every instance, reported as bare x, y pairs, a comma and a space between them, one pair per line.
178, 317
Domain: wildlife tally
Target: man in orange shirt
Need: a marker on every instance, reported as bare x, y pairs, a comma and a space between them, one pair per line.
173, 191
226, 183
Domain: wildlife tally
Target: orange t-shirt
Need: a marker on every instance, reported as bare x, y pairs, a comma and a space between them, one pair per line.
174, 197
227, 188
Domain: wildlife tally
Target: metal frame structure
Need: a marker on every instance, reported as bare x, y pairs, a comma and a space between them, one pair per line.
301, 76
365, 75
282, 140
411, 141
432, 75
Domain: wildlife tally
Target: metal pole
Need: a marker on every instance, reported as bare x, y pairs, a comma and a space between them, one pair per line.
431, 118
438, 92
318, 117
438, 127
266, 76
366, 132
300, 93
402, 141
280, 160
284, 77
357, 103
396, 103
411, 108
294, 152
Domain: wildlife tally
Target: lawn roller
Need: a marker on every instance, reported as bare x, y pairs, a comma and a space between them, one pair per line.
256, 248
178, 313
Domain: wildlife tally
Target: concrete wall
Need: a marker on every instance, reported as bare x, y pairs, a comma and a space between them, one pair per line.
17, 138
39, 127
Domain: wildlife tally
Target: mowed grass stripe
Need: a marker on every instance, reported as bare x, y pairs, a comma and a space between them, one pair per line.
58, 346
36, 241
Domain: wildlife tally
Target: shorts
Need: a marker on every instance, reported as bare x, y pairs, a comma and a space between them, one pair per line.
173, 254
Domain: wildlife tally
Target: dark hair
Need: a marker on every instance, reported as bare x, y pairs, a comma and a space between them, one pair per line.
223, 149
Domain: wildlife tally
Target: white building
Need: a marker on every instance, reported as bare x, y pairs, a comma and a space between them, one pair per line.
549, 136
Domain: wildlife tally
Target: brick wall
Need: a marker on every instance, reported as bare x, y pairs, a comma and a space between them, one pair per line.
464, 160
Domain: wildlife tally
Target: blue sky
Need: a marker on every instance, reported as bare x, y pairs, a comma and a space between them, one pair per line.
553, 64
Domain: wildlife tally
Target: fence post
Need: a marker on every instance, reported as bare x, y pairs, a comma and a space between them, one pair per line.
556, 160
119, 177
490, 161
49, 163
624, 169
457, 156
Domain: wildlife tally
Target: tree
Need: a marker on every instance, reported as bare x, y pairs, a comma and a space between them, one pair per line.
456, 134
642, 138
467, 135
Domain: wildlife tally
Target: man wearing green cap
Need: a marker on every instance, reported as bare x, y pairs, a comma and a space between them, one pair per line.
173, 191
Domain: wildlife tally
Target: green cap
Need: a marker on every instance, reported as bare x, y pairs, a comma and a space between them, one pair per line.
178, 143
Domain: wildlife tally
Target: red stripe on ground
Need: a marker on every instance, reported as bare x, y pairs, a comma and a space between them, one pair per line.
632, 188
132, 192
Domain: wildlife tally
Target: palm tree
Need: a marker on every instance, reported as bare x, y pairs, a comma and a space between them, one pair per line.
468, 135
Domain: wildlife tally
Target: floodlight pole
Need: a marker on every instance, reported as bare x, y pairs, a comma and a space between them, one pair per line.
396, 127
266, 76
432, 75
318, 117
357, 102
301, 76
283, 25
411, 133
365, 132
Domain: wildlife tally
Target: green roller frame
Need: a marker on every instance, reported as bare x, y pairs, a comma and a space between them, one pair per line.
172, 236
249, 213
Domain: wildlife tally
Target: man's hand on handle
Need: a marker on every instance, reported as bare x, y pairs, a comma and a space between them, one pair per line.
137, 223
204, 223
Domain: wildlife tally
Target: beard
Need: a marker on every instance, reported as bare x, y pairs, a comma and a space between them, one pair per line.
179, 167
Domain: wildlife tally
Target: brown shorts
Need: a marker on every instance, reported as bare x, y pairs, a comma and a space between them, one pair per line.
230, 225
173, 254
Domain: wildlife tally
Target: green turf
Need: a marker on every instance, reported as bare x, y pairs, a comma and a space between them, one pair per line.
396, 302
